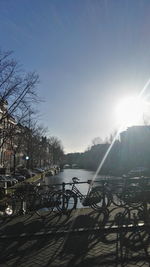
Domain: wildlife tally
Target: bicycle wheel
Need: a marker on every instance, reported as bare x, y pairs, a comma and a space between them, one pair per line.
132, 196
45, 205
122, 218
71, 199
34, 203
136, 241
61, 201
99, 198
118, 200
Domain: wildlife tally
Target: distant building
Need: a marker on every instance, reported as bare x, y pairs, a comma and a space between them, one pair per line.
135, 147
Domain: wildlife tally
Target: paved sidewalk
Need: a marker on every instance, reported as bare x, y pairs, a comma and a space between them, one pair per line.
75, 240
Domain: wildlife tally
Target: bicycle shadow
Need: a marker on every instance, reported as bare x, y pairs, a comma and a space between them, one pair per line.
80, 246
132, 235
26, 249
79, 240
56, 220
122, 228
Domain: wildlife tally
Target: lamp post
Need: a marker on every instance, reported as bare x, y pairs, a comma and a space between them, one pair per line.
15, 151
27, 160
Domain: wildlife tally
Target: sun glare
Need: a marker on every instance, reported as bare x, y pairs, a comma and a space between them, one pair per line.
130, 111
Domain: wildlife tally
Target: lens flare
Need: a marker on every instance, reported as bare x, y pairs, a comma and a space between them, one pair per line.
130, 111
137, 102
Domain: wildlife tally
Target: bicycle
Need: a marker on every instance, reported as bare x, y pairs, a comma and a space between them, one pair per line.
127, 194
30, 198
103, 195
94, 197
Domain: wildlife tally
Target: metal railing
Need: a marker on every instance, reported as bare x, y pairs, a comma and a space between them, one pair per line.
105, 193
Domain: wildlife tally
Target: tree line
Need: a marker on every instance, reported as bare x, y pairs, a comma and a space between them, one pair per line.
116, 156
94, 155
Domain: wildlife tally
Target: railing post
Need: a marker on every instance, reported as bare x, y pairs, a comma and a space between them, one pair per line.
63, 192
103, 186
5, 187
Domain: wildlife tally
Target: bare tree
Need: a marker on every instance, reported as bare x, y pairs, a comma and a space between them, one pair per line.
55, 150
16, 89
112, 137
15, 85
97, 141
18, 129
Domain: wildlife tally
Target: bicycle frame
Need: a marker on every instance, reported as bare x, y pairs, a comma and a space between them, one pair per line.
77, 192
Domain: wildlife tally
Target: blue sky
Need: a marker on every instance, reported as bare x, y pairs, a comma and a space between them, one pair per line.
89, 54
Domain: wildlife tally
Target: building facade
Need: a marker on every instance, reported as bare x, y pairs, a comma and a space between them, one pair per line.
8, 137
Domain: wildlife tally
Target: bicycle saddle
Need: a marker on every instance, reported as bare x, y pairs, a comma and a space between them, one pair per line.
75, 179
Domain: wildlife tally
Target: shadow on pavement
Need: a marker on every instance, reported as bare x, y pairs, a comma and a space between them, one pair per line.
85, 243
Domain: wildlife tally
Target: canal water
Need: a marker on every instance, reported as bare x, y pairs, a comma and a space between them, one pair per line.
66, 176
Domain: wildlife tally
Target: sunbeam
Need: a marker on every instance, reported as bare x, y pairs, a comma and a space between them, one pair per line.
105, 157
115, 137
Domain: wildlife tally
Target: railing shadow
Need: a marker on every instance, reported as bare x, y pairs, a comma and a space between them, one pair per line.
112, 235
108, 237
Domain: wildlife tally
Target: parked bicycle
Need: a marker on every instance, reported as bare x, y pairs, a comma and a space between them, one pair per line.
127, 194
94, 198
30, 198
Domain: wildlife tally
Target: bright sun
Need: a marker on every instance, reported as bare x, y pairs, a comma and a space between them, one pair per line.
130, 111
